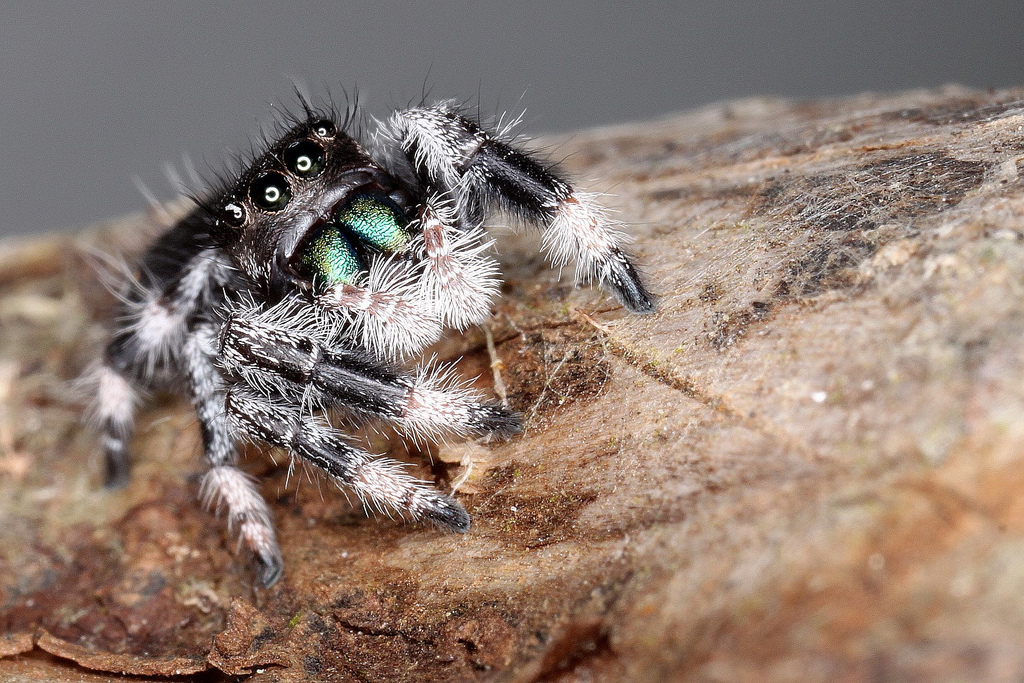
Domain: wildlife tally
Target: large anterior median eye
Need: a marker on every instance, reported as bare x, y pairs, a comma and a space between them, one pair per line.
270, 191
327, 258
376, 220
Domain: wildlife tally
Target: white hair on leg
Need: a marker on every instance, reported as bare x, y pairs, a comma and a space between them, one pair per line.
226, 487
391, 316
459, 281
435, 140
440, 404
112, 410
581, 230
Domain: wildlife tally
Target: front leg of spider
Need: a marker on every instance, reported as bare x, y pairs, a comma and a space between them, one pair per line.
281, 364
481, 170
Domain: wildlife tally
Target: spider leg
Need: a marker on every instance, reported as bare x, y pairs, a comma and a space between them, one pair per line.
276, 350
482, 170
379, 482
113, 410
224, 485
391, 315
154, 314
459, 281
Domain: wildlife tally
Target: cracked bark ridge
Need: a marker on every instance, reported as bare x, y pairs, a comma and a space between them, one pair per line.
806, 466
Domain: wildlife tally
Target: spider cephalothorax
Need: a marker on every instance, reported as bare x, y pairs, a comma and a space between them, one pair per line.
301, 285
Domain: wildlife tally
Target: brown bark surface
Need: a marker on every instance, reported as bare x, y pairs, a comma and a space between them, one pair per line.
808, 465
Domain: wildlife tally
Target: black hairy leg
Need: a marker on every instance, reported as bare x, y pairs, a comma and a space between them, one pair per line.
282, 352
224, 486
176, 279
113, 412
380, 483
481, 170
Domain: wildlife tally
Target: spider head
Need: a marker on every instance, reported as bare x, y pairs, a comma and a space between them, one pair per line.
310, 212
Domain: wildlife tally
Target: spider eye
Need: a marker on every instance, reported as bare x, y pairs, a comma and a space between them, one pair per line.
375, 219
304, 158
327, 258
270, 191
232, 213
325, 128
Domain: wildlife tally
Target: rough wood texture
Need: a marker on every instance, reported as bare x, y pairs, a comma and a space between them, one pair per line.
809, 465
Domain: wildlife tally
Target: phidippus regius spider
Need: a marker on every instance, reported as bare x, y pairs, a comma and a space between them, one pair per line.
298, 288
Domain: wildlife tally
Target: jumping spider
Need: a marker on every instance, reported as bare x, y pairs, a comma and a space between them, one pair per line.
299, 286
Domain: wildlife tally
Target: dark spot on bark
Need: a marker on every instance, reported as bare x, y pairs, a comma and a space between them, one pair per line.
824, 267
835, 221
264, 636
822, 227
723, 329
580, 643
312, 666
894, 189
710, 292
551, 367
529, 521
968, 110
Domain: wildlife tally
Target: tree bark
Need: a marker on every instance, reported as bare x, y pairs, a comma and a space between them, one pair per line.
807, 465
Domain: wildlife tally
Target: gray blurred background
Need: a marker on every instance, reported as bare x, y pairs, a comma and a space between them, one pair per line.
94, 94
